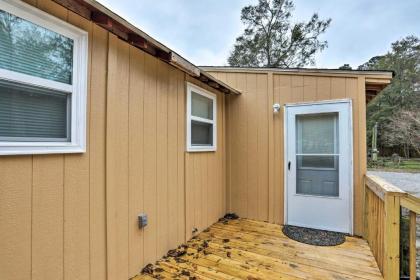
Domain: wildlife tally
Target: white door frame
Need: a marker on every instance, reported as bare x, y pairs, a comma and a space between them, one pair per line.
350, 151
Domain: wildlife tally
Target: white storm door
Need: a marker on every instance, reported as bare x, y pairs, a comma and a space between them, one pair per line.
319, 165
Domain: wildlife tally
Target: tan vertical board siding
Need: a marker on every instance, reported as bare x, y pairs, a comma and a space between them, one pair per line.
15, 217
309, 88
278, 154
181, 188
97, 146
162, 159
222, 156
47, 217
76, 193
262, 147
74, 216
253, 106
172, 161
362, 162
284, 93
48, 201
251, 141
204, 185
149, 159
231, 129
135, 158
117, 155
271, 147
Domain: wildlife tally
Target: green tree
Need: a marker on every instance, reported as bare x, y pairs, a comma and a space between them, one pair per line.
271, 40
403, 95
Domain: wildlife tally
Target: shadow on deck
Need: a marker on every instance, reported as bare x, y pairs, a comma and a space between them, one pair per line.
247, 249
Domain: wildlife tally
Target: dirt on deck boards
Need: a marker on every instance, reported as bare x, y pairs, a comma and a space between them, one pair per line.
248, 249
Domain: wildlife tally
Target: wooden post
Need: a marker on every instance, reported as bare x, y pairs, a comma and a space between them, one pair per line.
412, 245
391, 267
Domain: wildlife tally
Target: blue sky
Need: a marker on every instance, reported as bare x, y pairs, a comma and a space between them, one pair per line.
204, 31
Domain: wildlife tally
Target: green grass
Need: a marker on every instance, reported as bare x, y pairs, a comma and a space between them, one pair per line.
406, 165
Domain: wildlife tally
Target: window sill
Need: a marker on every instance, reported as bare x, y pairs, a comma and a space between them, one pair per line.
41, 148
201, 149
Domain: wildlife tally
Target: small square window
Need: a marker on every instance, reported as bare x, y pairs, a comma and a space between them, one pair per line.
43, 82
201, 119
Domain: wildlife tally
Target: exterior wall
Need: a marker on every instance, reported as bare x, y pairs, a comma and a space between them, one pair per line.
255, 151
74, 216
205, 178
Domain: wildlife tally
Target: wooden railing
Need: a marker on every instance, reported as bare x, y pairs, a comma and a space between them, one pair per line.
382, 225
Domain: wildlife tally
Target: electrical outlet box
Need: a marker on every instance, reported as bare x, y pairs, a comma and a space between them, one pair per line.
142, 220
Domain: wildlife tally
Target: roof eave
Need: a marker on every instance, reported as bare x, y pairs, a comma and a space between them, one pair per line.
308, 71
102, 16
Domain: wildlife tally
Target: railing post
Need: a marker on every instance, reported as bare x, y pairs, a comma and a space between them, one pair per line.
412, 247
391, 237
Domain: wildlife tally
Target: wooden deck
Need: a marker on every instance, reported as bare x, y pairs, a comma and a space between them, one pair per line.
247, 249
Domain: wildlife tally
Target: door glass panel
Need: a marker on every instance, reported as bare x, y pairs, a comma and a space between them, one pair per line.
317, 154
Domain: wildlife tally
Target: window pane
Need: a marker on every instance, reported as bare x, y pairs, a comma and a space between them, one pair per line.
33, 50
317, 175
316, 161
201, 106
317, 134
32, 112
201, 134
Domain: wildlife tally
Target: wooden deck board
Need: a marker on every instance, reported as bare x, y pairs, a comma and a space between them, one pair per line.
247, 249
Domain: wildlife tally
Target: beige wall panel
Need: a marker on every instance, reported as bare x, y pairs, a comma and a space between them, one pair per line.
204, 185
74, 216
15, 217
222, 157
270, 124
251, 142
262, 168
47, 217
76, 193
240, 156
338, 88
309, 89
255, 103
162, 158
135, 158
117, 155
231, 129
189, 195
97, 147
181, 189
360, 149
323, 88
297, 88
285, 92
48, 199
150, 160
172, 163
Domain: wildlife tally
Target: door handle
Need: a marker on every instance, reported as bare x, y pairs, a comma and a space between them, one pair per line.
288, 165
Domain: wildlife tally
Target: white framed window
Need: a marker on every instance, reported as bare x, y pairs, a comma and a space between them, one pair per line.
43, 82
201, 119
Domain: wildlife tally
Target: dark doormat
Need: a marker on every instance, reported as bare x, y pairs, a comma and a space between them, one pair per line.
314, 236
